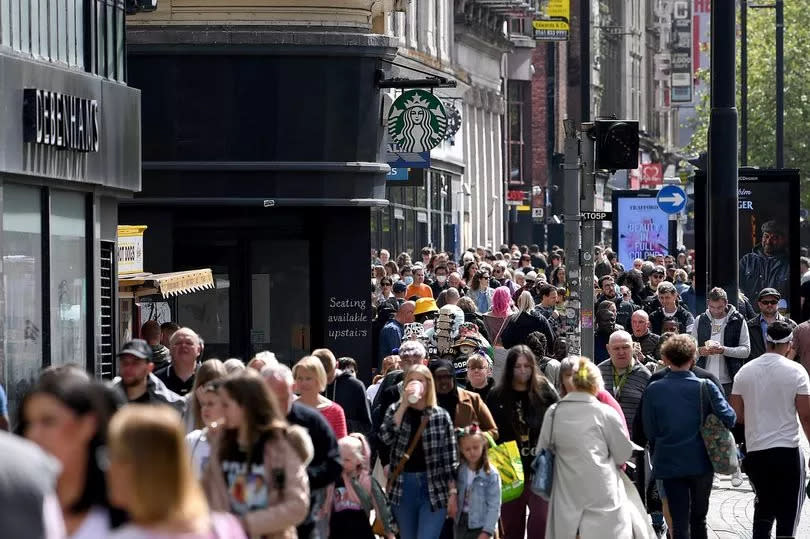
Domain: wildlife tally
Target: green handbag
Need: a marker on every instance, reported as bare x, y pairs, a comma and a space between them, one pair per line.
719, 441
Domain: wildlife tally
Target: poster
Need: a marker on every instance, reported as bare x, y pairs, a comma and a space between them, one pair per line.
640, 227
554, 22
766, 250
681, 71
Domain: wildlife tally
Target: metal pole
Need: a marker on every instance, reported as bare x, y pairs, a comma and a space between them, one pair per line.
722, 211
571, 174
744, 83
588, 240
780, 84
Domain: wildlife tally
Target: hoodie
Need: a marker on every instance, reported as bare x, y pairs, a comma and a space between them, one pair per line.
350, 393
161, 356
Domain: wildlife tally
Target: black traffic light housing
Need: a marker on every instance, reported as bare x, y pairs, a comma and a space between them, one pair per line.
616, 144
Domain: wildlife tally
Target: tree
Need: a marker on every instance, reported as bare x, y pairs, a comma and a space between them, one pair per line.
762, 93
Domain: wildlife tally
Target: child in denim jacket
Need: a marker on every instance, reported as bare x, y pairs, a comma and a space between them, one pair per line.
479, 487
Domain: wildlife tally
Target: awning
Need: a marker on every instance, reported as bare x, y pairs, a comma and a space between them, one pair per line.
166, 284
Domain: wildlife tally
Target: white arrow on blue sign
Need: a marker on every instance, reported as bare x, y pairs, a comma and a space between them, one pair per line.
671, 199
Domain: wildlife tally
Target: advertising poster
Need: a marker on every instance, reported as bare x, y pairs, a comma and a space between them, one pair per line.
767, 253
681, 78
640, 227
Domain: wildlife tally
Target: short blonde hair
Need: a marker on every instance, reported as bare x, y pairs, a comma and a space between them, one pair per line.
587, 376
164, 489
430, 388
311, 365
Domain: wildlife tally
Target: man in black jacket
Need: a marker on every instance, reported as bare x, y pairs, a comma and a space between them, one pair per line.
624, 309
347, 391
767, 302
325, 467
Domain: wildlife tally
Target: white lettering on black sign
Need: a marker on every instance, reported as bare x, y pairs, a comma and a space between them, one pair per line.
61, 120
347, 318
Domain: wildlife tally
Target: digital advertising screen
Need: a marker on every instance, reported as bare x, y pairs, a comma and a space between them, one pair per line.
640, 228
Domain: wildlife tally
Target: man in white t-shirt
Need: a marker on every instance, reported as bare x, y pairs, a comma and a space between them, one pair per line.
767, 394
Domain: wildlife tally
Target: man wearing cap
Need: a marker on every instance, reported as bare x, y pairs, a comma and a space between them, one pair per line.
768, 314
399, 290
651, 301
391, 334
768, 393
624, 309
137, 381
767, 265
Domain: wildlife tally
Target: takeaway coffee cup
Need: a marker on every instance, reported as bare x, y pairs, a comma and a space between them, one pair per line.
414, 391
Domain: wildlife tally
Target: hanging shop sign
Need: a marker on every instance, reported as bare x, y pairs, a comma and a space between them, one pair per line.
60, 120
554, 23
130, 249
417, 121
681, 68
515, 197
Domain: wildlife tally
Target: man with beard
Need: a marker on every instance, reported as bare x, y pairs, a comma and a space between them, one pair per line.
767, 265
624, 309
605, 321
758, 325
137, 381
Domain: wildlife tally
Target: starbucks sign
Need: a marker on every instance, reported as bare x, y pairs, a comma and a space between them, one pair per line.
417, 121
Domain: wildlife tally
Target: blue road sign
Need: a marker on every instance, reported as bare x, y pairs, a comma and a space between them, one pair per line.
671, 199
399, 159
397, 175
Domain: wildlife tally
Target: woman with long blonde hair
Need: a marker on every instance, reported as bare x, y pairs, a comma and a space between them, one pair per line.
424, 457
161, 495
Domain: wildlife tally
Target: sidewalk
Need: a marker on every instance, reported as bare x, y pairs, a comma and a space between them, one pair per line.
731, 512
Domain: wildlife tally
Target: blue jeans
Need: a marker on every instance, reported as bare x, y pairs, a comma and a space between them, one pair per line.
414, 515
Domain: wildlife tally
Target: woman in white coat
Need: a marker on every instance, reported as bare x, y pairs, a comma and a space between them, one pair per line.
590, 445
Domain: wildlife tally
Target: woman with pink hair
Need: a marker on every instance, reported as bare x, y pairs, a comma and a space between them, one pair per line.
496, 319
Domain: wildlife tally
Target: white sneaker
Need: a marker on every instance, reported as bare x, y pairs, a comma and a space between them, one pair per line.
736, 478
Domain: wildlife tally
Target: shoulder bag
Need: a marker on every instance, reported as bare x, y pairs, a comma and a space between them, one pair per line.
408, 452
719, 441
505, 458
543, 465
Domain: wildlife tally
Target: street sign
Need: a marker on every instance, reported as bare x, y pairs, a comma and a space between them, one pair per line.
417, 121
596, 216
537, 213
671, 199
396, 157
397, 175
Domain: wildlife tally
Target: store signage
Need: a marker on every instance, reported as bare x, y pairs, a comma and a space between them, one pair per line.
596, 216
60, 120
652, 175
515, 198
417, 121
130, 249
681, 68
554, 23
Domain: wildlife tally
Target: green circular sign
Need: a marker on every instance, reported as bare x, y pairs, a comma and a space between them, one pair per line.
417, 121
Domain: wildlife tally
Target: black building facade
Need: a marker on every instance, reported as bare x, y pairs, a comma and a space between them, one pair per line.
262, 159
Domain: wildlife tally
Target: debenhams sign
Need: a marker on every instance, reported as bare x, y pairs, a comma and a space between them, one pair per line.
60, 120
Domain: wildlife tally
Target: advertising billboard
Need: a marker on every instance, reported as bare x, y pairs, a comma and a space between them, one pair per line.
640, 228
681, 70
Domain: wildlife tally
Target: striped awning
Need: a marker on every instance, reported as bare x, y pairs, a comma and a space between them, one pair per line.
168, 284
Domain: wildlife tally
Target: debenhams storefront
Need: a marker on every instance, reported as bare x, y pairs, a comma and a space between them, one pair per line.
69, 149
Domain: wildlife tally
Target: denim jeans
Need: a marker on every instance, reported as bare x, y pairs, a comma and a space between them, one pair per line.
414, 515
688, 499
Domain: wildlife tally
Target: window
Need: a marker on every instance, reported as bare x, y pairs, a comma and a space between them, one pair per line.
515, 130
50, 30
22, 281
68, 278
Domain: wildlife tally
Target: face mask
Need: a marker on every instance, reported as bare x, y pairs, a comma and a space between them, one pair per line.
523, 375
441, 279
408, 280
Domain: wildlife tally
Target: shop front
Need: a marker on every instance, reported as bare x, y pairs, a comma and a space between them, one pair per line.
69, 149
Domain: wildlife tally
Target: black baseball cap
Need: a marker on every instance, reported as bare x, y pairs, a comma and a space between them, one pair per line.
138, 348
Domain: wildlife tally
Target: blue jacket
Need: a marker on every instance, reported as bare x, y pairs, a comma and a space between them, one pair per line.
390, 338
672, 421
485, 498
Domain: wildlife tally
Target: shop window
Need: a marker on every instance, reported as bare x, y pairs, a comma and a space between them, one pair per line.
68, 246
22, 289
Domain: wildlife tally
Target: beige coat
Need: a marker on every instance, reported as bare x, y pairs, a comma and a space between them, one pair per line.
286, 508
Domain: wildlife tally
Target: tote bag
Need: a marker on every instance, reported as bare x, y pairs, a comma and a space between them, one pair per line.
505, 458
719, 441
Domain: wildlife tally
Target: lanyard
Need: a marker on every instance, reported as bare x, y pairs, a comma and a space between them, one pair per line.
618, 382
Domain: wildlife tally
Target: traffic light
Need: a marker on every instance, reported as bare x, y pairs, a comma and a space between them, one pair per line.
616, 144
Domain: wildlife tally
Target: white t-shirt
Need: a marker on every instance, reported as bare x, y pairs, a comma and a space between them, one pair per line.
200, 449
716, 363
768, 386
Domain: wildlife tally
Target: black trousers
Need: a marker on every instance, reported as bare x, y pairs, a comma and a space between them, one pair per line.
778, 477
688, 499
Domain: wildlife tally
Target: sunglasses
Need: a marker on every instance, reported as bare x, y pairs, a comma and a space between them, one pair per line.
769, 301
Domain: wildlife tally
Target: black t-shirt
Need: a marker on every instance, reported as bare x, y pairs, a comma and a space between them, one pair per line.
174, 382
349, 520
416, 463
247, 484
805, 293
483, 391
520, 423
143, 399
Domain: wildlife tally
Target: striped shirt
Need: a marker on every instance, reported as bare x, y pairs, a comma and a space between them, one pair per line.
626, 389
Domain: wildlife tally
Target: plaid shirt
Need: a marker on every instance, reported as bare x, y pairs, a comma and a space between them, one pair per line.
441, 452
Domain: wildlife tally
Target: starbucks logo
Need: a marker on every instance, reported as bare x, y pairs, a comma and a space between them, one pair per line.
417, 121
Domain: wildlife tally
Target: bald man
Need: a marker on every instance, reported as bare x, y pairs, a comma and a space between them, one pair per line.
640, 323
625, 378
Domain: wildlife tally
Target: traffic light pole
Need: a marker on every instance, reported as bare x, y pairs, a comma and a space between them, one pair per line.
723, 213
588, 239
572, 252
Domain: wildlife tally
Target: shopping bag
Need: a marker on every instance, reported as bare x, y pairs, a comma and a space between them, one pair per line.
505, 458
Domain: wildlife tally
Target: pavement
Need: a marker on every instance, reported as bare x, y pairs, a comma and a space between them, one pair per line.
731, 509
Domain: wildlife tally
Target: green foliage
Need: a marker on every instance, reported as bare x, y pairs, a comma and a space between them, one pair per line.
762, 93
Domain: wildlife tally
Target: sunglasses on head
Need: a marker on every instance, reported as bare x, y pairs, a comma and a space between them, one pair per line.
769, 301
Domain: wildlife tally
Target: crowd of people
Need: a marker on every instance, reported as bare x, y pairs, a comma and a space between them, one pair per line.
472, 363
